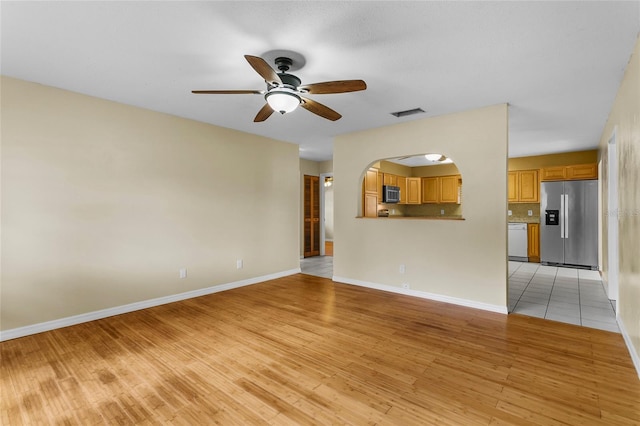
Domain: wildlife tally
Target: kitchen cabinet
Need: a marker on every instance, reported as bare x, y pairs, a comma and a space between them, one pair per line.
449, 189
371, 181
430, 190
370, 194
523, 186
413, 190
573, 172
402, 184
582, 171
533, 242
390, 179
441, 189
512, 187
380, 182
553, 173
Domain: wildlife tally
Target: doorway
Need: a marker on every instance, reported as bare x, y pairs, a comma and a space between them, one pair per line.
319, 265
311, 216
326, 214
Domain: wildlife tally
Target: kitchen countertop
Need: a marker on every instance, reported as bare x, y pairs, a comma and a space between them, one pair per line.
523, 220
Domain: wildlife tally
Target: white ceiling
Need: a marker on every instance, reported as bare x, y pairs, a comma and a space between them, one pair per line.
558, 64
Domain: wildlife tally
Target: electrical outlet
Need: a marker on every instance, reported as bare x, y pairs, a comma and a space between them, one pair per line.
405, 285
402, 269
530, 212
442, 211
509, 212
239, 264
183, 273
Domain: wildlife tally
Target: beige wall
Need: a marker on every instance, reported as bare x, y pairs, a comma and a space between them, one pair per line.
625, 118
434, 251
103, 203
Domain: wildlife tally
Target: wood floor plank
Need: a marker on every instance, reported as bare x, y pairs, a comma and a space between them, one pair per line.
305, 350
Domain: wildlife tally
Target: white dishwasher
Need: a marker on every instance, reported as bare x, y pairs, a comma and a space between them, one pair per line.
517, 248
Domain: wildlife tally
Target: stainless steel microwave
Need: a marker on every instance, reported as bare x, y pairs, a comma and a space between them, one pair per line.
390, 194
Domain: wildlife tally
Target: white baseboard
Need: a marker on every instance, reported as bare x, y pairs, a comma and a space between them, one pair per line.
635, 357
425, 295
104, 313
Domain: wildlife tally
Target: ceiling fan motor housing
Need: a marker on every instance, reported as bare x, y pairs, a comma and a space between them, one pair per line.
290, 80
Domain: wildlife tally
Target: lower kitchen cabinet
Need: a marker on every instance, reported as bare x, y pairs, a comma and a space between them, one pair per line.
533, 242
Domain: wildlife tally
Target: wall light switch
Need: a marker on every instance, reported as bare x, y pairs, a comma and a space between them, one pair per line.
239, 264
530, 212
402, 269
509, 212
183, 273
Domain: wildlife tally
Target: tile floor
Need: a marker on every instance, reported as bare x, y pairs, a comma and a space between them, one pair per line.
573, 296
319, 266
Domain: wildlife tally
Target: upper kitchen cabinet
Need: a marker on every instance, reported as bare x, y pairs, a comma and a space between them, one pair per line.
441, 189
573, 172
402, 184
413, 190
524, 186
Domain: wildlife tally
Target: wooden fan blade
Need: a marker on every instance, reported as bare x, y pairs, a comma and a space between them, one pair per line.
227, 92
264, 113
340, 86
262, 68
319, 109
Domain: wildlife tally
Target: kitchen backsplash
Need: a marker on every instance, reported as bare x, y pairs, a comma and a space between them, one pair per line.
520, 212
423, 210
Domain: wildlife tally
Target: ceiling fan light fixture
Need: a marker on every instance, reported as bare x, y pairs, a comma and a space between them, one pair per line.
282, 100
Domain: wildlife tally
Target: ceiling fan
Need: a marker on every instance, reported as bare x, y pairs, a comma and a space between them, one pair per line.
285, 91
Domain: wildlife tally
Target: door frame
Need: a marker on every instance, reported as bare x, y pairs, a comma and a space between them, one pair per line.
322, 212
613, 260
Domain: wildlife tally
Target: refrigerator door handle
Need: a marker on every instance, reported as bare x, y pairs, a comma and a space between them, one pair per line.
566, 215
562, 216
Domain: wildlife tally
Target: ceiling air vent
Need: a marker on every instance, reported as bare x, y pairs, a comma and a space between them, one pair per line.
408, 112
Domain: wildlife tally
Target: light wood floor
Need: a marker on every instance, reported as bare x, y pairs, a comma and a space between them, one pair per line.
305, 350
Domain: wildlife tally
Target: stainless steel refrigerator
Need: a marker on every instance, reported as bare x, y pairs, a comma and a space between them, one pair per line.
569, 223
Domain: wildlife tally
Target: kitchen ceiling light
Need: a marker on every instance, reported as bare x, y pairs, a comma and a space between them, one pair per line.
282, 100
434, 157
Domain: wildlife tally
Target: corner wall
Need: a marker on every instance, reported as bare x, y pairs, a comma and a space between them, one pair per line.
442, 257
104, 203
625, 119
